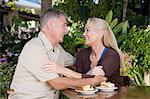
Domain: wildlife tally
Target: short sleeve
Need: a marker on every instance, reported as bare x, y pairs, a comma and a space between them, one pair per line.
67, 58
33, 58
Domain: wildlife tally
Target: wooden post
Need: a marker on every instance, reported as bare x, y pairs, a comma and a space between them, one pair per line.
147, 78
125, 8
7, 19
46, 4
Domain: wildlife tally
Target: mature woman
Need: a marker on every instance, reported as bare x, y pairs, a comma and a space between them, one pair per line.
103, 57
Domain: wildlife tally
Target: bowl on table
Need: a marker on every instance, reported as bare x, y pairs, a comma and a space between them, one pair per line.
107, 87
86, 90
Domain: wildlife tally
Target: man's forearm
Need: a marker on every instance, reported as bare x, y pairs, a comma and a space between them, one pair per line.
71, 73
64, 82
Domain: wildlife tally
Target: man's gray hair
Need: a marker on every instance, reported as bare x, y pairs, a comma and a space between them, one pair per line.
51, 13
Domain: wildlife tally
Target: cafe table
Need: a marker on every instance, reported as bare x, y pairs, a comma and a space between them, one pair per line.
131, 92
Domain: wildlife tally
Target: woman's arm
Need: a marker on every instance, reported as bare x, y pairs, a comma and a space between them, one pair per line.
111, 63
52, 67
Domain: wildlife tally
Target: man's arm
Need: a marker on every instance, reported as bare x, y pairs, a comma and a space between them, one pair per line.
52, 67
60, 83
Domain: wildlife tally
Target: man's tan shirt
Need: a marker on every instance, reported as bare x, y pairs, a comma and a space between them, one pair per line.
30, 81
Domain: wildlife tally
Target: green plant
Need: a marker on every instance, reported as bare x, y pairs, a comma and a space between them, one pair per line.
74, 37
137, 43
119, 29
13, 40
12, 5
62, 96
83, 9
6, 73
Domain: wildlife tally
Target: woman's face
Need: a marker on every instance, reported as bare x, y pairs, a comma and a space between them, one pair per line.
91, 35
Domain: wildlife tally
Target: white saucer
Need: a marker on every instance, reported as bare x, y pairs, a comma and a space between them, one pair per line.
109, 89
87, 92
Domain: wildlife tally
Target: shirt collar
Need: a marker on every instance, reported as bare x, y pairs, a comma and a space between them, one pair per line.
45, 41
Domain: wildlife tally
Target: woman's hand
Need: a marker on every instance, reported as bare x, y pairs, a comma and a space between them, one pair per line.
98, 71
52, 67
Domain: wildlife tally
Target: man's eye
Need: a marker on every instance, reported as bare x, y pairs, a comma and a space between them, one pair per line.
65, 25
87, 30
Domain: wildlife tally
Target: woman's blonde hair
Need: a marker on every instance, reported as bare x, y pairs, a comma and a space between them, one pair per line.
109, 39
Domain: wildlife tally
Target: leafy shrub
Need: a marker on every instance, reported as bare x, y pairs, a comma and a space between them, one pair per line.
13, 40
74, 37
119, 29
6, 73
83, 9
137, 43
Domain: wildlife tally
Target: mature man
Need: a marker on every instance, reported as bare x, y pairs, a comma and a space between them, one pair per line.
30, 81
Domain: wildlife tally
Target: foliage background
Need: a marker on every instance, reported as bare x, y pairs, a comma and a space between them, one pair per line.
137, 13
133, 41
137, 43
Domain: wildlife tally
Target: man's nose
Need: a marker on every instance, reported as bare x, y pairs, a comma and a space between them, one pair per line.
66, 30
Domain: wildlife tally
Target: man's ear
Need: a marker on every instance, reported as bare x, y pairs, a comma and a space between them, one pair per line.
49, 24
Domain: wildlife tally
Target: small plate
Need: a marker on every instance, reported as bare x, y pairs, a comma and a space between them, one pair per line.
87, 92
109, 89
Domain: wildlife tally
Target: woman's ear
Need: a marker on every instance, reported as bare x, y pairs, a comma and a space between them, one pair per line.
101, 32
